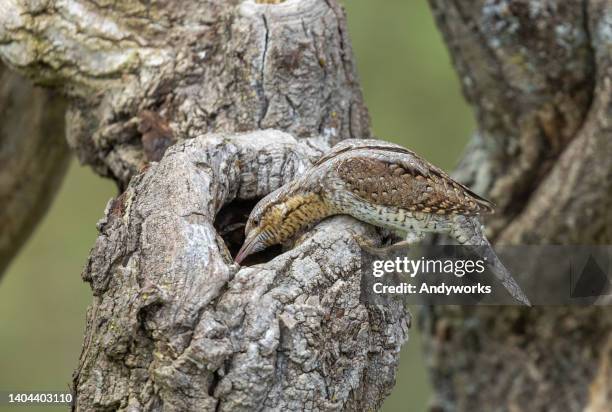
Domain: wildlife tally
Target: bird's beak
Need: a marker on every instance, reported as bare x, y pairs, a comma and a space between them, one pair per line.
251, 245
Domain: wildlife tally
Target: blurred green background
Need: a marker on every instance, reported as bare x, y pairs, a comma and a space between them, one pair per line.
414, 99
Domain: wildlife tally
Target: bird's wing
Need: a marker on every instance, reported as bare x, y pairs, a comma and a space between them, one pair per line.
399, 178
348, 145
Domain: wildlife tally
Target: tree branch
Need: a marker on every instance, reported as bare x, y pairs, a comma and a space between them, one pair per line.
33, 155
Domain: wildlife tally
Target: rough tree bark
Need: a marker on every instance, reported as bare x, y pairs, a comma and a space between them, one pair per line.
33, 158
539, 75
174, 324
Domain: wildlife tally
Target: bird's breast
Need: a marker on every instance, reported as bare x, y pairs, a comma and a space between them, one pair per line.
303, 211
394, 218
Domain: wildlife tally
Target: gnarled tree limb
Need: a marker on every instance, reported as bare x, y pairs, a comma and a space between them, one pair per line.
174, 324
539, 75
200, 66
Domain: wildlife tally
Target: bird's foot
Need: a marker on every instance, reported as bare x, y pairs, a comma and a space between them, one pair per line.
370, 247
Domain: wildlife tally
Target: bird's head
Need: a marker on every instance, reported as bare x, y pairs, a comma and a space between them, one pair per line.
277, 218
262, 227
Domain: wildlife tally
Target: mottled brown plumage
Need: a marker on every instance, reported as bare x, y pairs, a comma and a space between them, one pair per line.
392, 184
379, 183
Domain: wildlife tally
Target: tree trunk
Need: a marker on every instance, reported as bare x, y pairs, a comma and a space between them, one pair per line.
33, 158
175, 325
539, 75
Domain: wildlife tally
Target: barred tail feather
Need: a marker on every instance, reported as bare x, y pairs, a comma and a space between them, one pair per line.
468, 231
501, 273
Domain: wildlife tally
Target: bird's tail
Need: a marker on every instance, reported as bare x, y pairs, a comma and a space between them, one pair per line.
500, 271
468, 231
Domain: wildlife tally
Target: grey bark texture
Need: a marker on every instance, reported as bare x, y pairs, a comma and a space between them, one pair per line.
174, 324
33, 158
539, 76
142, 76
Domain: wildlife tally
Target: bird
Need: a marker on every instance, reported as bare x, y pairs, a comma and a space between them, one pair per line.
385, 185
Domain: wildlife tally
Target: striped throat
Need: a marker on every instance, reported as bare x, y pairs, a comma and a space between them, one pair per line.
277, 219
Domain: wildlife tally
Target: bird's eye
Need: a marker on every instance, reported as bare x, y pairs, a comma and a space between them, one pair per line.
256, 221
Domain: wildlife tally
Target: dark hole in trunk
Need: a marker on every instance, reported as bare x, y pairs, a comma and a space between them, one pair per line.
230, 223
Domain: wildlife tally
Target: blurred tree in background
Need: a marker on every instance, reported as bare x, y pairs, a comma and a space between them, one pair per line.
406, 76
